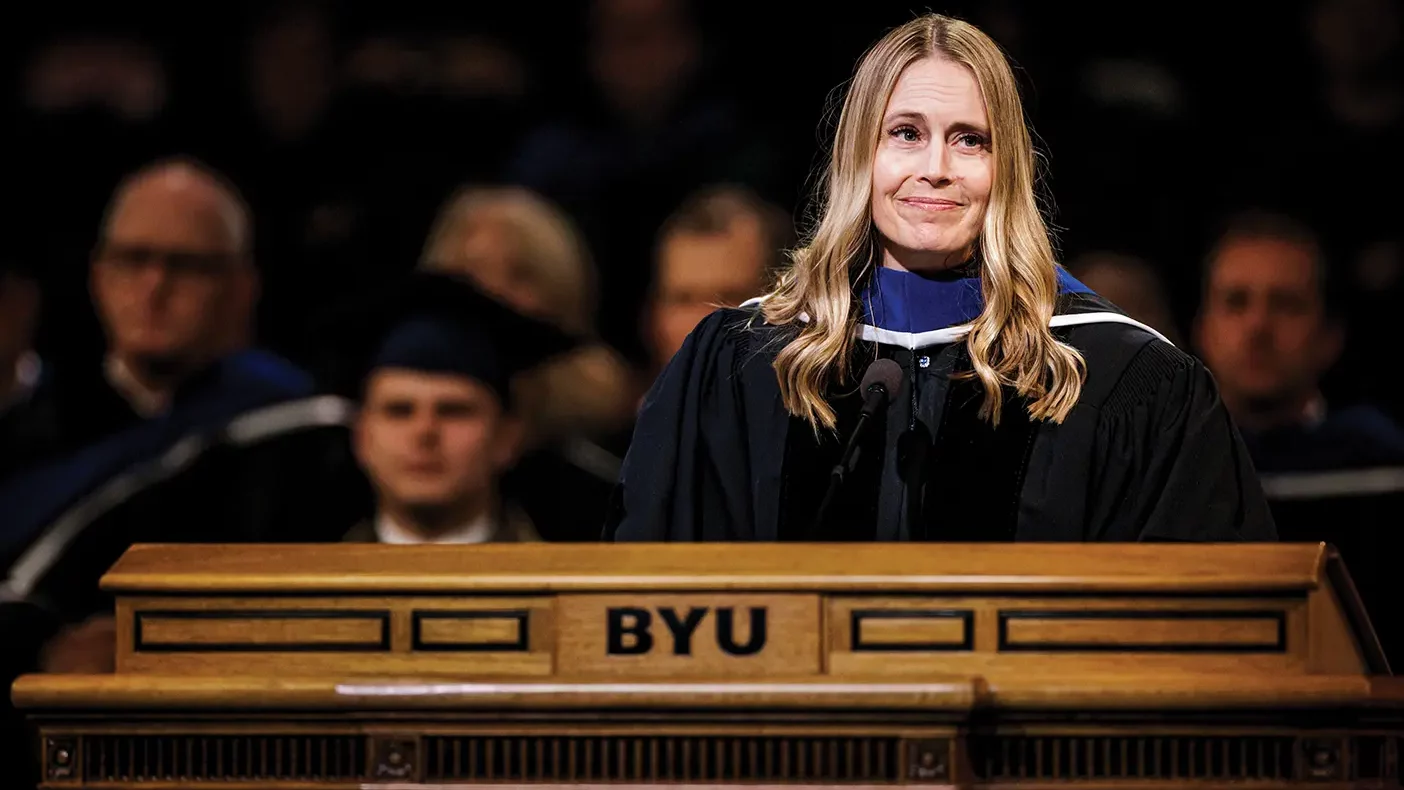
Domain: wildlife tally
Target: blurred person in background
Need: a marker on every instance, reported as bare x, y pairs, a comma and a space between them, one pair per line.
437, 429
94, 99
294, 158
651, 127
1340, 88
525, 251
1131, 284
1357, 48
1268, 330
718, 249
174, 286
183, 434
1359, 106
290, 72
440, 98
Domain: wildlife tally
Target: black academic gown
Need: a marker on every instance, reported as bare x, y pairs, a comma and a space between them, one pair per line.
564, 489
1340, 480
280, 470
1148, 453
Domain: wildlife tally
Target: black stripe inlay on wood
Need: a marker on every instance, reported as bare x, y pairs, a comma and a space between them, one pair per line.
859, 645
141, 644
1277, 616
520, 617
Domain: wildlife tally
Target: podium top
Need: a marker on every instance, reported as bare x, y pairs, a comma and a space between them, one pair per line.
729, 613
908, 567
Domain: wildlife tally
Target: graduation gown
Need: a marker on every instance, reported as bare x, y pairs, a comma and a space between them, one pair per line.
564, 489
1339, 479
248, 453
1148, 453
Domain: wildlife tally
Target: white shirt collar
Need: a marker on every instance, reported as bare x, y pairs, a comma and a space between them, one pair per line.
28, 370
479, 530
145, 402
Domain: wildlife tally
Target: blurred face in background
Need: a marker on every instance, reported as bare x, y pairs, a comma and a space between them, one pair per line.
291, 71
933, 169
171, 278
1354, 36
488, 253
433, 443
698, 272
642, 52
1263, 328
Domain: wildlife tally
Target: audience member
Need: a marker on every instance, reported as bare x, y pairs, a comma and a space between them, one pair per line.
651, 129
436, 431
184, 433
1331, 473
526, 252
139, 399
1267, 329
717, 250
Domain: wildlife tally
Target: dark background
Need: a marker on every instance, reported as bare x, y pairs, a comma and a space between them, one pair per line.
1157, 118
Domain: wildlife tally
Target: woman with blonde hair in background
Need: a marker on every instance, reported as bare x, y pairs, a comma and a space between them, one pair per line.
924, 369
525, 251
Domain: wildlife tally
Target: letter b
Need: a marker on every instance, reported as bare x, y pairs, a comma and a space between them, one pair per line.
637, 626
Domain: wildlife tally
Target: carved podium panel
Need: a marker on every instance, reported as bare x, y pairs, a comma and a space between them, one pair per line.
1018, 666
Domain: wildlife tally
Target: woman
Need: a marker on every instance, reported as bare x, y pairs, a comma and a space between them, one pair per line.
520, 248
1026, 407
515, 245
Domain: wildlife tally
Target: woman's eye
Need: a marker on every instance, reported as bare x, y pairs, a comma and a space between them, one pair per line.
907, 134
972, 140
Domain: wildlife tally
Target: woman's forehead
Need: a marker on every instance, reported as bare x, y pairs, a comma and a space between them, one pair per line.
937, 86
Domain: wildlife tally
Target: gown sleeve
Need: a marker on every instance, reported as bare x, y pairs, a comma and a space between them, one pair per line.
685, 476
1173, 466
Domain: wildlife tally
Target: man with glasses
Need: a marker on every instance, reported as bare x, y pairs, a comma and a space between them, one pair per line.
173, 280
185, 434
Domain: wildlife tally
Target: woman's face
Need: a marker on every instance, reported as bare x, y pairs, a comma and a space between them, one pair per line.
933, 168
488, 254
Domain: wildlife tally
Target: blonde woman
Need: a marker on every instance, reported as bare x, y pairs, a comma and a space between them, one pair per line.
525, 251
522, 249
924, 370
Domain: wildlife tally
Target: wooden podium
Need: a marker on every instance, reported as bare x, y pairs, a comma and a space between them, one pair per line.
1015, 666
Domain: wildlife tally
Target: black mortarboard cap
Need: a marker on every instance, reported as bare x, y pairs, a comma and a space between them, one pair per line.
438, 323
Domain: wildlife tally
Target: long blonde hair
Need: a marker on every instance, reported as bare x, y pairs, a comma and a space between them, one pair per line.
1009, 343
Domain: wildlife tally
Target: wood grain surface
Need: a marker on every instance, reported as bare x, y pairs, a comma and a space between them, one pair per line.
1022, 666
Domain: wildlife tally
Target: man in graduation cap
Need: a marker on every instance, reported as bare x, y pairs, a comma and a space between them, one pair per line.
436, 429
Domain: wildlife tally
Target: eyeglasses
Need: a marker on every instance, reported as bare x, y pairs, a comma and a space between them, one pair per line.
131, 259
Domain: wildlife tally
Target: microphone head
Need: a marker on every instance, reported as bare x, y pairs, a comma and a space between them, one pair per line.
882, 373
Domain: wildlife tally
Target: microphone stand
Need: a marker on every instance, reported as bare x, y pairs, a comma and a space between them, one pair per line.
875, 400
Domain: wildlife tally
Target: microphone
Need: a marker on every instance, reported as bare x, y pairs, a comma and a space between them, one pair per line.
880, 381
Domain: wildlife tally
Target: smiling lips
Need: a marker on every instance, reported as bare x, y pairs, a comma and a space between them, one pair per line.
929, 203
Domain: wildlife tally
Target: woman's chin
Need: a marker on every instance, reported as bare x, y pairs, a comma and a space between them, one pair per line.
929, 257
